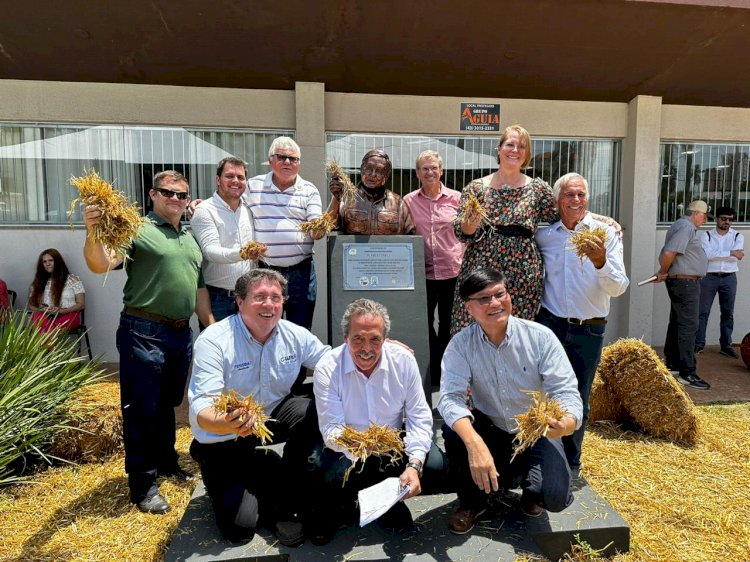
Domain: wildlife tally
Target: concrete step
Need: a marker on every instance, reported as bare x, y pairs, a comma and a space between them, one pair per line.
502, 534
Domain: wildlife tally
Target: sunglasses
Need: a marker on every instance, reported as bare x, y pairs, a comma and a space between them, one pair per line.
484, 301
283, 157
168, 193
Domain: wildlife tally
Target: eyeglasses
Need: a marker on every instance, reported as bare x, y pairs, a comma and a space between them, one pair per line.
168, 193
261, 299
725, 218
484, 301
284, 157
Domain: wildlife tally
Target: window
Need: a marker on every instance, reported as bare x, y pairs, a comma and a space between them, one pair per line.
716, 173
37, 162
467, 158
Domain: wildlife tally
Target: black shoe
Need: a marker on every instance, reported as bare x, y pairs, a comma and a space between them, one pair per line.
694, 381
155, 504
290, 533
178, 473
398, 521
698, 349
729, 352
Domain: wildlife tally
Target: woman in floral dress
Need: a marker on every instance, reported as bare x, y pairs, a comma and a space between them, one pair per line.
515, 205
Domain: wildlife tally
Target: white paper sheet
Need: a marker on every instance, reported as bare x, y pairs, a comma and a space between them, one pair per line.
376, 500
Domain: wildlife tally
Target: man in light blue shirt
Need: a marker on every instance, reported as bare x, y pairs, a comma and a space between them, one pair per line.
257, 354
575, 302
488, 368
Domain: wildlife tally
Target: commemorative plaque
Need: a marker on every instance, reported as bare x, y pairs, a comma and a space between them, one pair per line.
378, 267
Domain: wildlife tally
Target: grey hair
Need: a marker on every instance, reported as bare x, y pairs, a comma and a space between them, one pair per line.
284, 142
365, 307
430, 154
256, 276
567, 178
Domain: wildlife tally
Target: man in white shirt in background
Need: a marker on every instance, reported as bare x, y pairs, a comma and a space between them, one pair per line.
222, 225
575, 301
365, 381
724, 248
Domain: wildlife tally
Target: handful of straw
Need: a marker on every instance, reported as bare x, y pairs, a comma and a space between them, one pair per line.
579, 239
253, 250
317, 228
532, 424
472, 206
337, 173
226, 403
378, 440
120, 220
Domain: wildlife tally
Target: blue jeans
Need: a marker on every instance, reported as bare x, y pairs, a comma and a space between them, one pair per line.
583, 346
543, 469
302, 291
223, 303
154, 362
679, 347
726, 286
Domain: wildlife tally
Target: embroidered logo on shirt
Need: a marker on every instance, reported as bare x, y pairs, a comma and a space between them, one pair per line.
242, 366
286, 359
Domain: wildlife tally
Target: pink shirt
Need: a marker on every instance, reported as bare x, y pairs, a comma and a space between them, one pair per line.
433, 219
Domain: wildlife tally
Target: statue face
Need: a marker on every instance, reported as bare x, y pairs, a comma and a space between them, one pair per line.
375, 172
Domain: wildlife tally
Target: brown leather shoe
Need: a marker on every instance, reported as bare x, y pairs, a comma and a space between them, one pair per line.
462, 520
530, 508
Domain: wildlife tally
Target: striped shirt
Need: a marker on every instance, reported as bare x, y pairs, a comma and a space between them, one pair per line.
277, 215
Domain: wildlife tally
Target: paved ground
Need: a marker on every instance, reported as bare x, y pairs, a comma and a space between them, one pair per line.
729, 378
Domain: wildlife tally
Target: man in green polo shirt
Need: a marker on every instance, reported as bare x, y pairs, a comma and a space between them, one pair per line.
163, 288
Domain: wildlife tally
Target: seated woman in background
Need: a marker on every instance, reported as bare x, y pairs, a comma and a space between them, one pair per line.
56, 296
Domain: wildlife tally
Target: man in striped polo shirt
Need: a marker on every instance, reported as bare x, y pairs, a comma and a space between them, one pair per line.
280, 201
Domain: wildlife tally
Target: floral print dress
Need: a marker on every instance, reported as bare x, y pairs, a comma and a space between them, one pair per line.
509, 247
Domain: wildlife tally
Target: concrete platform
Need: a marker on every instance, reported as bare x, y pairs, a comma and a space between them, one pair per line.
502, 534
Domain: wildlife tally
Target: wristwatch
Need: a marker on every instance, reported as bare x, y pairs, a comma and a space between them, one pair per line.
416, 466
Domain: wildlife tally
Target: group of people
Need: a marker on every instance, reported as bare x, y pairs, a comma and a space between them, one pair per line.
526, 314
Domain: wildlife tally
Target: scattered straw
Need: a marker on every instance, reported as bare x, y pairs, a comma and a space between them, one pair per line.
317, 228
336, 172
532, 424
378, 440
84, 513
95, 424
120, 220
649, 393
253, 250
579, 239
227, 403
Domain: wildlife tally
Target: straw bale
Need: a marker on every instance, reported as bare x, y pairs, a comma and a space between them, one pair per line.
649, 393
95, 424
604, 403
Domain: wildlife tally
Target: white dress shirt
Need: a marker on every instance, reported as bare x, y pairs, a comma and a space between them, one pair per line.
717, 249
575, 288
221, 233
345, 396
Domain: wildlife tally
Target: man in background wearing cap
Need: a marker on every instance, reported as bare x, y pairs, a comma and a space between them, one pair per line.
682, 265
723, 246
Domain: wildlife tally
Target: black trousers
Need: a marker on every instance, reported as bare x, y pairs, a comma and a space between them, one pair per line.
543, 469
230, 468
440, 297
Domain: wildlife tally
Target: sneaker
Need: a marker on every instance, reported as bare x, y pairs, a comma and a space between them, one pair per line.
695, 381
729, 352
155, 504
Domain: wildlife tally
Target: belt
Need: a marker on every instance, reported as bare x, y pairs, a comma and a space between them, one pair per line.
282, 269
684, 276
718, 274
226, 292
158, 318
577, 321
